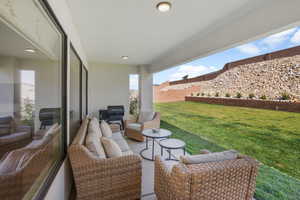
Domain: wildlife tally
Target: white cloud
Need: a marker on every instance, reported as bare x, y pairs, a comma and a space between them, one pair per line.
249, 49
191, 71
278, 38
133, 81
296, 38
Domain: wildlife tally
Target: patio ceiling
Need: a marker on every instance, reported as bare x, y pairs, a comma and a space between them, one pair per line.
110, 29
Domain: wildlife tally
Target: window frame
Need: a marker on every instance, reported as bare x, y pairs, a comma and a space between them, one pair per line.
84, 69
43, 190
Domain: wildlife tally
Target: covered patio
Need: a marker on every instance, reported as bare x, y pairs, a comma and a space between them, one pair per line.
81, 55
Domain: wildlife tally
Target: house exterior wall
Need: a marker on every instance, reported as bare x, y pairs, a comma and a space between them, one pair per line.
108, 85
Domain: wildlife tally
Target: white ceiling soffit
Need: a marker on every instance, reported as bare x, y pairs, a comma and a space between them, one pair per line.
110, 29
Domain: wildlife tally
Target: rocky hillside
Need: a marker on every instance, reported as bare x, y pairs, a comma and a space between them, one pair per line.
270, 78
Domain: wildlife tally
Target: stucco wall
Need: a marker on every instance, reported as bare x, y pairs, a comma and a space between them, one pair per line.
109, 85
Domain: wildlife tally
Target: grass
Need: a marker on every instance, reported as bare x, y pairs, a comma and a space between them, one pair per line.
272, 137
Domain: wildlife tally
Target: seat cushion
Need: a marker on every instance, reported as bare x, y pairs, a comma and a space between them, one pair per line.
145, 117
135, 126
119, 139
111, 148
94, 126
210, 157
15, 137
105, 128
93, 144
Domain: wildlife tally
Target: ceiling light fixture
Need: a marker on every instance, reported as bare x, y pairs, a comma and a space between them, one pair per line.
30, 50
125, 57
164, 6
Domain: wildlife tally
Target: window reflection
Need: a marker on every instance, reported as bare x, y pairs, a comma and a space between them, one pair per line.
30, 100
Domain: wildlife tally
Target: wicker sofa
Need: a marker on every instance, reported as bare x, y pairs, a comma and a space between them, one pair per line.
12, 135
20, 168
223, 180
135, 127
104, 178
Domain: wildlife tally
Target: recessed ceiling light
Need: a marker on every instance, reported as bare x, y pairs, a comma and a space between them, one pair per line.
125, 57
30, 50
164, 6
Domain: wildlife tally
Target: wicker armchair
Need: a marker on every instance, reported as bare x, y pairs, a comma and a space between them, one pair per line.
224, 180
134, 129
109, 179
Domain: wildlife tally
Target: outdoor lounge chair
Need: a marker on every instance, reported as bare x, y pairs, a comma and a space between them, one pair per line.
223, 180
146, 120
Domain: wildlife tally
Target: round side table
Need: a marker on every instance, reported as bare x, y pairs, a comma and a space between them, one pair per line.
171, 144
149, 133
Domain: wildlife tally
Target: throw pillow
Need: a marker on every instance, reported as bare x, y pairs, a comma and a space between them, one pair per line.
94, 145
211, 157
105, 128
94, 127
112, 149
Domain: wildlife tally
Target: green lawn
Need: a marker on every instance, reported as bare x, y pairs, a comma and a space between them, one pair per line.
272, 137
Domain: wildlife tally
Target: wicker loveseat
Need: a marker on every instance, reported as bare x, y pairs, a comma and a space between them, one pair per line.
13, 136
20, 168
104, 178
223, 180
134, 128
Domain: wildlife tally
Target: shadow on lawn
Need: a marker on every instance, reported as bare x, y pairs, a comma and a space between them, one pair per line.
194, 143
271, 183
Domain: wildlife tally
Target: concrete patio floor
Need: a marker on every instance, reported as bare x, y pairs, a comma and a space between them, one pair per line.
148, 166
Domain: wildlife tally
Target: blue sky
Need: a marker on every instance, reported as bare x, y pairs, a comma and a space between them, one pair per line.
282, 40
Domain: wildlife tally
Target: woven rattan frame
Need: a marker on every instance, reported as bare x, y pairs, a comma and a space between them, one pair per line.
105, 179
226, 180
137, 135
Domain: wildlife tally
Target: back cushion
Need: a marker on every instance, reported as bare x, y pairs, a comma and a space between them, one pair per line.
112, 149
210, 157
95, 127
146, 116
105, 128
93, 144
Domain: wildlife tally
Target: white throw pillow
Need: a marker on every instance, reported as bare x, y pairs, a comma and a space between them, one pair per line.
95, 127
145, 117
93, 144
106, 130
112, 149
210, 157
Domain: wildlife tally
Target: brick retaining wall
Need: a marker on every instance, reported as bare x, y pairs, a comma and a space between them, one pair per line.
253, 103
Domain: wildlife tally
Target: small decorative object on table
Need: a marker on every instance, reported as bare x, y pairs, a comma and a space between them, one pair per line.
155, 130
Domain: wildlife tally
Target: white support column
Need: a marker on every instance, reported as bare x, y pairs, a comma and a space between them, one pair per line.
145, 89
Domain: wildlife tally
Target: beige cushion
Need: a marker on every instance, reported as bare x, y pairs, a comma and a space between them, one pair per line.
105, 128
93, 144
15, 160
134, 126
46, 138
119, 139
211, 157
112, 149
94, 126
